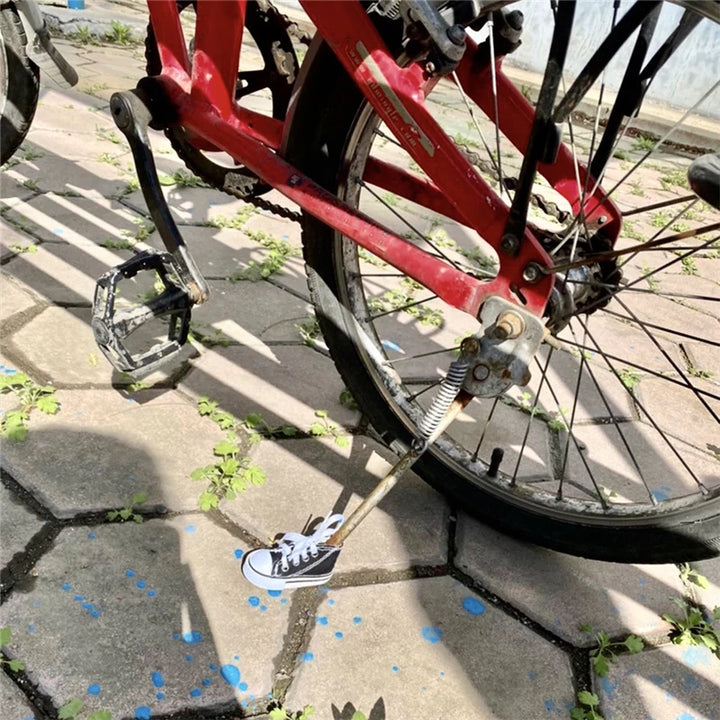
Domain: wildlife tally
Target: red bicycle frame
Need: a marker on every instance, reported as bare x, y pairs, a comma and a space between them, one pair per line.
202, 94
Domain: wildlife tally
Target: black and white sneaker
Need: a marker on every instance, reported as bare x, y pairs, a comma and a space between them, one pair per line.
295, 560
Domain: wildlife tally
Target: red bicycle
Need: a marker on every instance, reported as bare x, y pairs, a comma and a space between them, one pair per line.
507, 236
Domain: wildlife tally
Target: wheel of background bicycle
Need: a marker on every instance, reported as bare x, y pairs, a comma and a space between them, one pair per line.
269, 31
628, 481
19, 83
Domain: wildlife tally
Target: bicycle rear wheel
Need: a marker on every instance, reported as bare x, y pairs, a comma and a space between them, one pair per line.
613, 449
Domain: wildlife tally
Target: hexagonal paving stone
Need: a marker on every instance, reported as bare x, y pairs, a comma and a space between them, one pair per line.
60, 342
286, 384
18, 524
147, 616
428, 648
669, 683
313, 478
562, 592
101, 448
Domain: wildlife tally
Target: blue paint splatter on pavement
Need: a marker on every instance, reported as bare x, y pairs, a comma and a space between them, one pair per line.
238, 553
158, 680
230, 674
432, 634
130, 573
242, 687
609, 687
263, 608
31, 628
92, 536
254, 600
160, 696
339, 635
532, 675
66, 586
195, 692
176, 636
283, 601
662, 493
142, 713
274, 593
656, 679
696, 656
473, 606
192, 637
321, 620
94, 689
331, 602
188, 658
213, 666
206, 682
690, 682
357, 619
151, 593
141, 584
686, 716
79, 598
190, 528
307, 657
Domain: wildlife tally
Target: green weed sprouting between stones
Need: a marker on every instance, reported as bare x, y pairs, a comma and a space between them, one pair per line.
119, 34
280, 713
71, 711
606, 651
230, 474
128, 512
587, 707
322, 427
5, 639
30, 396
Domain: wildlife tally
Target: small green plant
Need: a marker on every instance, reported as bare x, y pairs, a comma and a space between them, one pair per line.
278, 253
280, 713
644, 142
675, 178
109, 135
29, 395
118, 244
208, 335
659, 219
257, 427
309, 331
587, 707
71, 710
689, 576
606, 651
346, 398
5, 639
128, 512
31, 185
694, 627
322, 427
20, 249
109, 159
629, 378
368, 257
689, 266
119, 34
460, 139
184, 178
621, 155
83, 36
236, 222
227, 476
637, 189
30, 153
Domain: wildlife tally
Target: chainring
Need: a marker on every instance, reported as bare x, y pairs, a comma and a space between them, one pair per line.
271, 33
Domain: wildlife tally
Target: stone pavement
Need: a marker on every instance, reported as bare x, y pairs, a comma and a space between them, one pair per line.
430, 614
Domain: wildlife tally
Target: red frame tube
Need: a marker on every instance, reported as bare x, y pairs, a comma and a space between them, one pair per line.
204, 101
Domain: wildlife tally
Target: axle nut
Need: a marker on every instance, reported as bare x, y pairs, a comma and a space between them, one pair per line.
508, 326
481, 372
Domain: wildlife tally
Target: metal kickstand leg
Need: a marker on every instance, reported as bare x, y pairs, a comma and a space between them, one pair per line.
449, 403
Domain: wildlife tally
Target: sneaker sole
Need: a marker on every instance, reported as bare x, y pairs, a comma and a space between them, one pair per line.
273, 583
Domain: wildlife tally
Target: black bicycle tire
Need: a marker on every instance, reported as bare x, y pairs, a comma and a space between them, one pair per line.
23, 83
322, 119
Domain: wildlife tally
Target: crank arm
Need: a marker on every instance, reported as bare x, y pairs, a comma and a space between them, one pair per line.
132, 115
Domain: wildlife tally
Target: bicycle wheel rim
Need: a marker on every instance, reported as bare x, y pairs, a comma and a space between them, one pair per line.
605, 503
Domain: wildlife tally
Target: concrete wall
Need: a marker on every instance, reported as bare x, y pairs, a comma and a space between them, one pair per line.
686, 77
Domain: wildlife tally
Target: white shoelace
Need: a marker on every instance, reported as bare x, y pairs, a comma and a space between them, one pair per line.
295, 546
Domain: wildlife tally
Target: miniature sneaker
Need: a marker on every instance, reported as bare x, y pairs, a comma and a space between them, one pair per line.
295, 560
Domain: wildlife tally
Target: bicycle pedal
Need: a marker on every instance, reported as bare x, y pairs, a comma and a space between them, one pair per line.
115, 319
